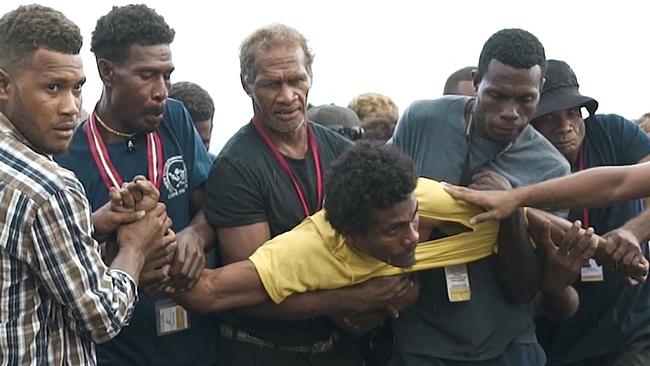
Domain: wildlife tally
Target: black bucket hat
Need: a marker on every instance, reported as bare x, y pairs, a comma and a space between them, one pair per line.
560, 91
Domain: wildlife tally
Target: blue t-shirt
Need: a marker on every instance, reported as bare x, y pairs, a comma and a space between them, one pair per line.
432, 132
609, 311
186, 167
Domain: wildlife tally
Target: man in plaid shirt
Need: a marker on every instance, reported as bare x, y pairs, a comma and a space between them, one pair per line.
56, 295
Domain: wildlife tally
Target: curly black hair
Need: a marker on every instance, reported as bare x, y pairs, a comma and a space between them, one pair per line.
366, 178
513, 47
197, 101
125, 26
30, 27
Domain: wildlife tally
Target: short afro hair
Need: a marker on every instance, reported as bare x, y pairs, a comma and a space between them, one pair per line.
125, 26
366, 178
374, 105
197, 101
513, 47
265, 38
30, 27
451, 85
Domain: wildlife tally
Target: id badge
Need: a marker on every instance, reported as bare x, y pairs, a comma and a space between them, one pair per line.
592, 272
170, 317
457, 283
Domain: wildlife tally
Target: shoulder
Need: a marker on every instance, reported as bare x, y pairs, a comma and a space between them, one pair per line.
540, 152
331, 140
242, 144
609, 122
37, 177
175, 109
445, 110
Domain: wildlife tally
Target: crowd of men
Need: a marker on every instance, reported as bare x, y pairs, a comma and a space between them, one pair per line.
124, 242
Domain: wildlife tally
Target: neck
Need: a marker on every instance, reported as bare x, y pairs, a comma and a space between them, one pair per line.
107, 114
293, 144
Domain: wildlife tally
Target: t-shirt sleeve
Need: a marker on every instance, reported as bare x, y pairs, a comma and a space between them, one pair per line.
232, 197
193, 149
633, 142
295, 262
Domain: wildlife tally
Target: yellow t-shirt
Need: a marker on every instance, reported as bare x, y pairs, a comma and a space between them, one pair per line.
313, 256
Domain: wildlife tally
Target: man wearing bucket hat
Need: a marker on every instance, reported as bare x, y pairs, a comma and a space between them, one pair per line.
612, 320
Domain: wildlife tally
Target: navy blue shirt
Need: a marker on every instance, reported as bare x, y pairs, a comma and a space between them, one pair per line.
186, 167
609, 311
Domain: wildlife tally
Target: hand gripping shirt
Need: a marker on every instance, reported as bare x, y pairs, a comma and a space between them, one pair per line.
313, 256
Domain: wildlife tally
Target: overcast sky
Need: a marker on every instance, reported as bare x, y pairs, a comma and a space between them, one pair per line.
402, 48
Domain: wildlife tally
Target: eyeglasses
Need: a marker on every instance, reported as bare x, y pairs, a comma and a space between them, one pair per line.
353, 133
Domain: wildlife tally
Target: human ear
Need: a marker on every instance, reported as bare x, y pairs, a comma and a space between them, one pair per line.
106, 71
5, 84
476, 79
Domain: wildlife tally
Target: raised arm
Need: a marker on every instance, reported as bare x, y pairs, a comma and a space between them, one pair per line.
592, 187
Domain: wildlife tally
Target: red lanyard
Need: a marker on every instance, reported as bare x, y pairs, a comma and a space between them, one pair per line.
109, 174
313, 145
582, 166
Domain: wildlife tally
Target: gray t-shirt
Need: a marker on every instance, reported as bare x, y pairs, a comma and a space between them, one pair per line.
433, 133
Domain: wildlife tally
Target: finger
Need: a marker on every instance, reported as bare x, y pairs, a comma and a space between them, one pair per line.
196, 274
134, 191
392, 311
115, 197
629, 258
151, 277
583, 243
127, 198
549, 246
622, 248
483, 174
403, 288
571, 236
147, 188
128, 217
179, 259
490, 215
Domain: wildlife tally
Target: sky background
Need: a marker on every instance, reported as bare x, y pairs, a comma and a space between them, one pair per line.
402, 48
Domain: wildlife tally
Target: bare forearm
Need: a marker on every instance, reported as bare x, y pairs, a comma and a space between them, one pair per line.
130, 261
518, 270
640, 225
593, 187
228, 287
202, 228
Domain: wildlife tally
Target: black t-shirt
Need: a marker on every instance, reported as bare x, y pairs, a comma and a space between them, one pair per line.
247, 185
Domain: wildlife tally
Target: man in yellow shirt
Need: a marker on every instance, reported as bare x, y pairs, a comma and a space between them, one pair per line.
373, 218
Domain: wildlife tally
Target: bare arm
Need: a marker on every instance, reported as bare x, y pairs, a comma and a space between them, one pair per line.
192, 243
228, 287
518, 271
517, 266
592, 187
238, 243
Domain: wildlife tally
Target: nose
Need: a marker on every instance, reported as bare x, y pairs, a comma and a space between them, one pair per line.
70, 104
509, 112
286, 93
565, 125
160, 89
412, 236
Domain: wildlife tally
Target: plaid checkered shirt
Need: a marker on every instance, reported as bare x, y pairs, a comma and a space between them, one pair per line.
56, 295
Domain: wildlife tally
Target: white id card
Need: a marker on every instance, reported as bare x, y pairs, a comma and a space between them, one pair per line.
170, 317
592, 272
457, 283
